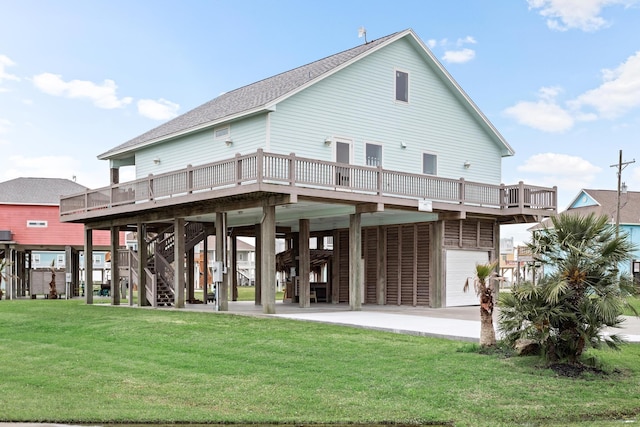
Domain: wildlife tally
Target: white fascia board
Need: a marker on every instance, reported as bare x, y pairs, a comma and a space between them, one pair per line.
457, 88
183, 132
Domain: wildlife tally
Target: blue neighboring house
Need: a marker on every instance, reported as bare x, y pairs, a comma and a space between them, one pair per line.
375, 151
605, 202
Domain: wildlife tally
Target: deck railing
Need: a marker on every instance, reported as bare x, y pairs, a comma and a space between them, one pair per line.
291, 170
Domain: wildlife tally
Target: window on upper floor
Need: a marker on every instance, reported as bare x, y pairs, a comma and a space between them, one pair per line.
402, 86
97, 259
373, 154
35, 260
429, 164
36, 223
60, 261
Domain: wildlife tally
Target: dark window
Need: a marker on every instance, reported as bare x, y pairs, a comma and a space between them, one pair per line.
374, 155
402, 86
429, 164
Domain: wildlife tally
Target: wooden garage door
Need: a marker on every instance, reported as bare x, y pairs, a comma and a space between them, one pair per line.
460, 266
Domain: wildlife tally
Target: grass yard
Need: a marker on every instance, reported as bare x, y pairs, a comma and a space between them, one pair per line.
66, 362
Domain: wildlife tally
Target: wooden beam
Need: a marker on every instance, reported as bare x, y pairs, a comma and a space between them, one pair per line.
369, 208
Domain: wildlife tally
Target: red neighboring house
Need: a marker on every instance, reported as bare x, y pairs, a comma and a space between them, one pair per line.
30, 222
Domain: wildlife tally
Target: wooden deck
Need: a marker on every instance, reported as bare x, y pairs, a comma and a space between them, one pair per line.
289, 174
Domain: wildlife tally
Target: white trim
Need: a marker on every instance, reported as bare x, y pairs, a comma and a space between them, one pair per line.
377, 144
422, 162
349, 141
37, 223
221, 128
267, 144
395, 87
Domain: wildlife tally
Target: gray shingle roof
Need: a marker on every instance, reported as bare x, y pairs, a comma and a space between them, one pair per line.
37, 191
248, 98
607, 205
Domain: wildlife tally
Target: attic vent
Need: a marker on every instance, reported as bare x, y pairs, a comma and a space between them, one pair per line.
36, 223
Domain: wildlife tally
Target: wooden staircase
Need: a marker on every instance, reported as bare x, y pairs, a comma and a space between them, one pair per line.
160, 287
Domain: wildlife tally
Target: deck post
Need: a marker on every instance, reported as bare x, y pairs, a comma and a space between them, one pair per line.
178, 256
268, 259
304, 264
88, 265
115, 268
355, 264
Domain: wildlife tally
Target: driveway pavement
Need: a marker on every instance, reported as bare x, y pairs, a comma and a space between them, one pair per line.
460, 323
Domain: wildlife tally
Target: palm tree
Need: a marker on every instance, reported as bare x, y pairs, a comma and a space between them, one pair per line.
583, 293
483, 285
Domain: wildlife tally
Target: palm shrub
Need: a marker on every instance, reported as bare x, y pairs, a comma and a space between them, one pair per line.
581, 293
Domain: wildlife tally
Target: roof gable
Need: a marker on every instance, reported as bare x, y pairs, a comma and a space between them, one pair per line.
37, 191
265, 94
583, 200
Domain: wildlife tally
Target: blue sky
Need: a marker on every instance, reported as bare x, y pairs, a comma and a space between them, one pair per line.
560, 79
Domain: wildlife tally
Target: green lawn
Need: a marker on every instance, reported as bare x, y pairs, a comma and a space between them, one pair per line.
63, 361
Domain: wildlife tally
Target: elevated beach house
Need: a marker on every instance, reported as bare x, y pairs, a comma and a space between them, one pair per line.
375, 153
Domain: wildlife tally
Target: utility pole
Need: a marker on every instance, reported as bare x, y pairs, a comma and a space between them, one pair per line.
620, 166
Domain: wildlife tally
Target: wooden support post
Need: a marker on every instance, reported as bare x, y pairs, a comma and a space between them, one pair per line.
268, 259
437, 296
355, 265
381, 284
258, 263
143, 255
304, 264
221, 247
205, 267
234, 268
191, 274
179, 253
115, 273
88, 265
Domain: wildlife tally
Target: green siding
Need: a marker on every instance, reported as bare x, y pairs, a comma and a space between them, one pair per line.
199, 148
358, 103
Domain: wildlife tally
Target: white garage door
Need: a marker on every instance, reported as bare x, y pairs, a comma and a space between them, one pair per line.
460, 266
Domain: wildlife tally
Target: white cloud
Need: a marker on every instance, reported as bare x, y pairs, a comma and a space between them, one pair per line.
569, 173
466, 40
4, 126
41, 167
5, 62
564, 15
102, 95
459, 56
545, 114
619, 92
158, 110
